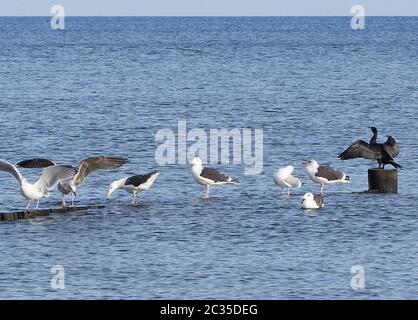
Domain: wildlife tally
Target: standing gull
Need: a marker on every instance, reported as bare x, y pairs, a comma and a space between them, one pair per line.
49, 178
324, 174
284, 178
209, 176
86, 167
384, 153
135, 184
310, 201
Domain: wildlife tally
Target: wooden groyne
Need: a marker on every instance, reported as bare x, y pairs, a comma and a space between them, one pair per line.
34, 213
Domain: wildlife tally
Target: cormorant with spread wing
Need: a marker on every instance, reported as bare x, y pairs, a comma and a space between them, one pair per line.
384, 153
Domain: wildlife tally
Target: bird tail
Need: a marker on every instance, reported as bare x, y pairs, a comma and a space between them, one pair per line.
347, 178
397, 166
234, 181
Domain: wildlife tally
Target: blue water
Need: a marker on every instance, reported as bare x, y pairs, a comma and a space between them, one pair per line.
107, 85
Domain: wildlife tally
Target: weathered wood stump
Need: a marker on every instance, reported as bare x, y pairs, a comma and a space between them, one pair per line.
383, 181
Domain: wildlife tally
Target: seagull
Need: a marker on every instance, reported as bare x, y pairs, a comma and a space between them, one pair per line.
310, 201
384, 153
86, 167
209, 176
283, 178
135, 184
49, 178
324, 174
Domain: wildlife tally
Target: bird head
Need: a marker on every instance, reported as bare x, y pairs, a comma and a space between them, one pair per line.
307, 196
312, 163
196, 162
112, 188
290, 168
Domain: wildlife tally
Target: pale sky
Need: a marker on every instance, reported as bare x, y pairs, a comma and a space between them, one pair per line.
208, 7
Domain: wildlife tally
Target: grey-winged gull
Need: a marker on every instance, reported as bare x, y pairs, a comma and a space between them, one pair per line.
284, 178
209, 176
384, 153
85, 168
135, 184
310, 201
324, 174
49, 178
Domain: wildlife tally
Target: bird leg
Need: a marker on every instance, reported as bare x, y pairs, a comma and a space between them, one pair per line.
63, 204
72, 199
288, 191
27, 207
206, 193
322, 189
37, 204
137, 198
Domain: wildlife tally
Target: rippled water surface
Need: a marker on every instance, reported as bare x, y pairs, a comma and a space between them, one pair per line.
107, 85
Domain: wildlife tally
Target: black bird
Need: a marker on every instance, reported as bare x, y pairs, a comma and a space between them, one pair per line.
384, 153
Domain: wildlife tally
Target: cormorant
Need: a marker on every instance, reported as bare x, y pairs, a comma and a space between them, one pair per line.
384, 153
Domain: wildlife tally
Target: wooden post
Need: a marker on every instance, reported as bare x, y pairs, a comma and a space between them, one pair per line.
28, 214
383, 181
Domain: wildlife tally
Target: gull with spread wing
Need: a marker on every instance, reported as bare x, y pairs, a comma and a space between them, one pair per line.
49, 178
86, 167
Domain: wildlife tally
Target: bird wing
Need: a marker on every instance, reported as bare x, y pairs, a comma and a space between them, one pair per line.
138, 179
293, 181
319, 200
54, 174
359, 149
92, 164
391, 147
36, 163
329, 173
10, 168
215, 175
